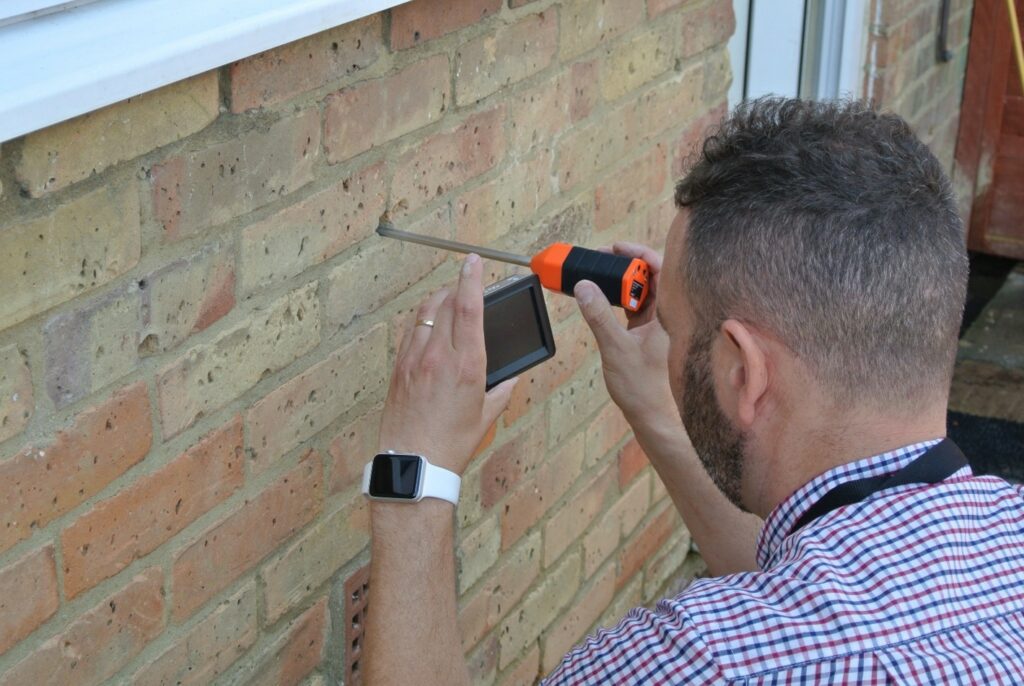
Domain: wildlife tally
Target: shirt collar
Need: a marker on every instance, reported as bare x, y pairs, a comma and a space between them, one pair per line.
781, 520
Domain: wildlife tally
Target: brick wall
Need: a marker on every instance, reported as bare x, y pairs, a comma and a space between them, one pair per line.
903, 72
199, 323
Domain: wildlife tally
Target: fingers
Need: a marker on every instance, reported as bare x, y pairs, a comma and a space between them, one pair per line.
419, 335
497, 399
599, 316
468, 329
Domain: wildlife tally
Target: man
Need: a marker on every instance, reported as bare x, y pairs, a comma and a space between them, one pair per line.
805, 332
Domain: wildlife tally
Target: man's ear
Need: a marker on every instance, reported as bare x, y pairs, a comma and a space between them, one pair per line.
746, 369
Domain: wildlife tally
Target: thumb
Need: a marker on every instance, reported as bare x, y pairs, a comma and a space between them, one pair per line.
497, 399
599, 316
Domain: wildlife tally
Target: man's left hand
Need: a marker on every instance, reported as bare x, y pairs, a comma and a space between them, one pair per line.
436, 404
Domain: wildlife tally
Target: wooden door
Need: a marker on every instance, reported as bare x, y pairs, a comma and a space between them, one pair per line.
990, 144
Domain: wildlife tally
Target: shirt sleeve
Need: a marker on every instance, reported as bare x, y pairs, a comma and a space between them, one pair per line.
663, 646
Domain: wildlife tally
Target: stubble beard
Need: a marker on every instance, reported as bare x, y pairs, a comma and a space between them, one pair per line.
719, 446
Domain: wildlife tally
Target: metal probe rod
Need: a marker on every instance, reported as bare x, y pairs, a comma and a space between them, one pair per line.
389, 231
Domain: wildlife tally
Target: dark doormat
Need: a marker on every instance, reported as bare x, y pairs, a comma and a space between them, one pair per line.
992, 446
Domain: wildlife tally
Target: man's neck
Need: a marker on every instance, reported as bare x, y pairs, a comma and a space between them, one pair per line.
807, 447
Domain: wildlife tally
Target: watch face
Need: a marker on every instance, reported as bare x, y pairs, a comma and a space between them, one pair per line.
395, 476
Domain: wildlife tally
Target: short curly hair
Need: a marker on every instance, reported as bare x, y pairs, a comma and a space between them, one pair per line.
832, 226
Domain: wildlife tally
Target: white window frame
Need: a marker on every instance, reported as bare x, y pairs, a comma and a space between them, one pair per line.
808, 48
61, 60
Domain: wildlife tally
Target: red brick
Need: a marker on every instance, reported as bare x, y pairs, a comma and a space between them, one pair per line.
351, 449
499, 591
449, 159
196, 190
707, 26
28, 595
505, 56
246, 536
138, 519
356, 589
304, 65
688, 145
605, 432
574, 342
642, 547
188, 296
510, 463
422, 20
298, 651
487, 440
97, 644
527, 504
631, 460
630, 189
566, 525
374, 112
482, 662
101, 444
567, 632
302, 406
209, 647
584, 96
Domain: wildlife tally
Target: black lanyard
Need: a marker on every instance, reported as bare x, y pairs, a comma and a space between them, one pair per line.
936, 464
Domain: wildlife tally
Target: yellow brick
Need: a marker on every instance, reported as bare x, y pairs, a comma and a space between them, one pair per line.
589, 23
539, 609
639, 60
16, 397
75, 249
74, 150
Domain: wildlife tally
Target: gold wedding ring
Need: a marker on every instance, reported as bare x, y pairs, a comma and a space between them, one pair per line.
425, 322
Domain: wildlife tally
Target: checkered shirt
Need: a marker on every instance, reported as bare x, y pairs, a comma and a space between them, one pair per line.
918, 584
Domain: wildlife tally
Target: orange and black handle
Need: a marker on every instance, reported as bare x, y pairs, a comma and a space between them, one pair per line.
625, 281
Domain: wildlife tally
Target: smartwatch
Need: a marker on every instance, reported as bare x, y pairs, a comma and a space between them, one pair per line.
408, 478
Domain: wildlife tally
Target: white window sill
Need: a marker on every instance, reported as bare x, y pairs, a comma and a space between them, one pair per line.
60, 65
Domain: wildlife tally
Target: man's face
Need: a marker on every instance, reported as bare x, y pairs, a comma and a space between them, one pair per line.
718, 444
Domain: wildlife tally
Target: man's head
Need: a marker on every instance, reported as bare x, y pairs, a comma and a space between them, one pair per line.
818, 257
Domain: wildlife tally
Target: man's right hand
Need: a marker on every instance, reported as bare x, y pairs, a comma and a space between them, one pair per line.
635, 361
635, 357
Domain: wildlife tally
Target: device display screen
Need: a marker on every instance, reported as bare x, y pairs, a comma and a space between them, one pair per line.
511, 330
395, 476
517, 333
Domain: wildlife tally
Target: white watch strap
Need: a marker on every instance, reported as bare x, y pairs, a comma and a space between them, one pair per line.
439, 482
